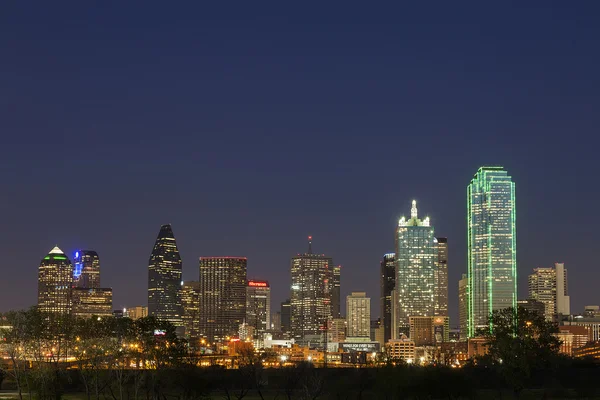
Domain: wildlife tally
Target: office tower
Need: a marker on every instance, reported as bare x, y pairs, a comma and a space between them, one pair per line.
164, 278
441, 278
86, 272
222, 296
429, 331
549, 286
191, 308
358, 315
312, 276
463, 307
335, 292
91, 302
276, 321
533, 306
286, 316
55, 278
336, 330
136, 312
491, 240
416, 261
258, 309
387, 283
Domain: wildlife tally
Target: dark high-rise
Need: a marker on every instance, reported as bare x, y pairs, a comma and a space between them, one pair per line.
388, 283
86, 273
440, 290
222, 296
164, 278
286, 317
335, 292
191, 309
55, 278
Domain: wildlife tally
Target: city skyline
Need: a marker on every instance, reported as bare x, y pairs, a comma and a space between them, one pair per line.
249, 130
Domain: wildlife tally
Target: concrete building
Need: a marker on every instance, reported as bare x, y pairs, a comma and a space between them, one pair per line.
336, 330
358, 315
93, 302
463, 307
401, 349
549, 286
387, 285
136, 312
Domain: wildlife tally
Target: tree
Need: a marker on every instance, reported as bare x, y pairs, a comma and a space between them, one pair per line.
519, 342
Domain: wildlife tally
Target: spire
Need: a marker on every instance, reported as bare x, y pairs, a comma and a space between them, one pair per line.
413, 210
56, 250
309, 245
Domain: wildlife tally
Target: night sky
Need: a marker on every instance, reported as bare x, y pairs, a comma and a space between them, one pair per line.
251, 126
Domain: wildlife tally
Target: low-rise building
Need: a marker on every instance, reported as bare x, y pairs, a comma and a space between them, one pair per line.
401, 349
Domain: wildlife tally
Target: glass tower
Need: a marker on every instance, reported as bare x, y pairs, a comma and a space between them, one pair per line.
388, 283
55, 278
164, 278
258, 309
441, 278
416, 262
87, 269
491, 240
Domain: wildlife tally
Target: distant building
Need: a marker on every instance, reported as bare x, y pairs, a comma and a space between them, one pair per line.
190, 302
136, 312
532, 305
429, 331
311, 294
592, 323
591, 311
258, 309
222, 296
590, 350
286, 317
55, 278
463, 307
401, 349
88, 303
491, 241
358, 315
572, 338
336, 330
86, 272
549, 286
441, 278
416, 263
387, 283
335, 292
276, 321
164, 278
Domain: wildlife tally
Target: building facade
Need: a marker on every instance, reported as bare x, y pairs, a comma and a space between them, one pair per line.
222, 296
416, 262
387, 284
136, 312
164, 278
258, 308
463, 307
86, 272
492, 249
358, 315
190, 294
311, 294
55, 279
549, 286
441, 278
286, 317
335, 292
429, 331
92, 302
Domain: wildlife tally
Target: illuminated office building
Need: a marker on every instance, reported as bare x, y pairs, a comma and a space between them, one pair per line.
164, 278
92, 302
191, 308
463, 307
258, 308
335, 292
387, 283
55, 278
416, 262
358, 315
441, 278
86, 272
549, 286
311, 293
491, 241
222, 296
136, 312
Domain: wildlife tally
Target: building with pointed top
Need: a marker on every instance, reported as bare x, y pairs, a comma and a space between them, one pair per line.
311, 295
55, 278
164, 278
416, 262
492, 246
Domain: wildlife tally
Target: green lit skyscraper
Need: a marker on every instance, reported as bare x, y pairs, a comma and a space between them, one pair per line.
491, 241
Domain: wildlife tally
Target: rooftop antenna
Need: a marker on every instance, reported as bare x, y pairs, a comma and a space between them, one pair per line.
310, 245
413, 210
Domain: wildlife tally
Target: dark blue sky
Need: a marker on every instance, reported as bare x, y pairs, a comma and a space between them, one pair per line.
250, 126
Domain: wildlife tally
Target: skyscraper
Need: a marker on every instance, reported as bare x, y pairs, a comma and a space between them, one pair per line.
86, 273
358, 315
441, 278
335, 292
388, 283
164, 278
463, 306
55, 278
549, 286
91, 302
416, 261
258, 309
191, 309
286, 317
222, 296
492, 250
311, 293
